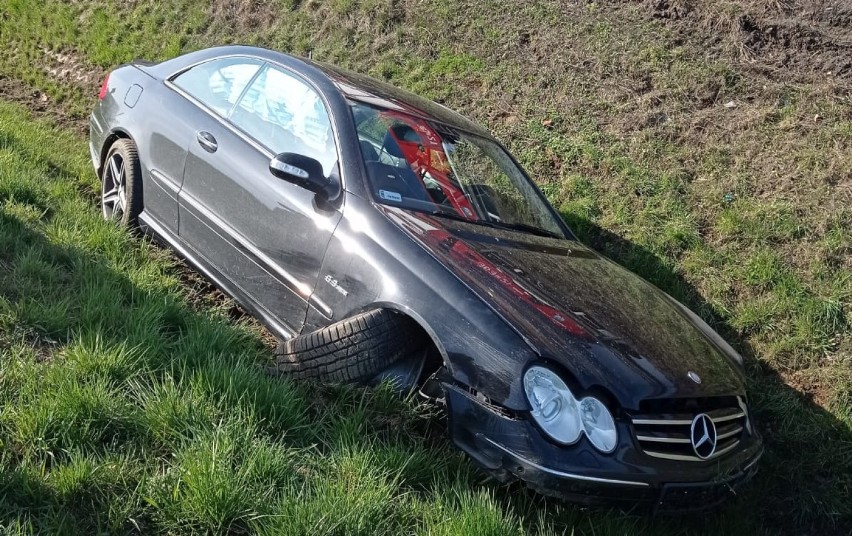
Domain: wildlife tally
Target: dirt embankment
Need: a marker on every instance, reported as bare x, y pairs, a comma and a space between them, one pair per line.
788, 40
39, 103
68, 69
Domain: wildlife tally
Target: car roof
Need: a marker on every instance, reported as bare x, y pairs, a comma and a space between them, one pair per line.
350, 85
362, 88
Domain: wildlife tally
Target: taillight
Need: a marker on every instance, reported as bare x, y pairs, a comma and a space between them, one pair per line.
104, 88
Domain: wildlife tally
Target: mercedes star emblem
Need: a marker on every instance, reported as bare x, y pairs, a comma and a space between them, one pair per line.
694, 377
703, 436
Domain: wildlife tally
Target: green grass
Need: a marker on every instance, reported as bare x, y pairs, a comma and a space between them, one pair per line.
130, 406
127, 410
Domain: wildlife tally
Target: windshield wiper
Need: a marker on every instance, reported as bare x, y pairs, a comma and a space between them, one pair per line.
451, 216
522, 227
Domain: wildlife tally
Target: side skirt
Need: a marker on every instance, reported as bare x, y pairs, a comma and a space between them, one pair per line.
150, 227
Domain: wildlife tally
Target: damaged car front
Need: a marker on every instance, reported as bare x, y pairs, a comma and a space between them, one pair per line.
625, 398
620, 395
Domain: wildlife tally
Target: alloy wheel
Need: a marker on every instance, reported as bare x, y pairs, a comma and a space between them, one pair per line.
113, 191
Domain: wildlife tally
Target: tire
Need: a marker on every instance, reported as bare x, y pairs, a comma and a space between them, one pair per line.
121, 184
353, 350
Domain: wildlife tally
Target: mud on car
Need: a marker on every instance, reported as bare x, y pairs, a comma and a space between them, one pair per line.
379, 235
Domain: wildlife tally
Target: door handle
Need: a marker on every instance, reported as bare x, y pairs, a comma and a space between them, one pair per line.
207, 141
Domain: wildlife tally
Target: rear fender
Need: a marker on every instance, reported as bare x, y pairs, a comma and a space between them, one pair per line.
113, 136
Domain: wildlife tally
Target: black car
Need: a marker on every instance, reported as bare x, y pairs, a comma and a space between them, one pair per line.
379, 235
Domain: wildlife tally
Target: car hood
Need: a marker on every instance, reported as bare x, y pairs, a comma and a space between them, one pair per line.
606, 326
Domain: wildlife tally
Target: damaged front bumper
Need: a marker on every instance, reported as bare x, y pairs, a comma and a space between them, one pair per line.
511, 447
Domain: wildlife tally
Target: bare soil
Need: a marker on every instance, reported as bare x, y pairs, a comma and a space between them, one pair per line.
788, 40
69, 68
40, 104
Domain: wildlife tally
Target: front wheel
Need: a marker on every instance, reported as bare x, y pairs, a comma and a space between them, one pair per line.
121, 184
352, 350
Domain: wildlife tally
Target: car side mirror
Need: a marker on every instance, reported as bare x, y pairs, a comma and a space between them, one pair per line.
306, 172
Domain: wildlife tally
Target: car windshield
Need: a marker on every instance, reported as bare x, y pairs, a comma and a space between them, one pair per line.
426, 166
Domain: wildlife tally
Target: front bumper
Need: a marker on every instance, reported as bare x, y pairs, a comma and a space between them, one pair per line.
627, 478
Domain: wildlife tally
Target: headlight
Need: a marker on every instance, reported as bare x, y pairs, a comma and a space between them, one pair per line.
554, 408
598, 424
562, 416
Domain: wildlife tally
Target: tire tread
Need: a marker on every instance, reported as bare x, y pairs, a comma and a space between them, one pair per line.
352, 350
132, 177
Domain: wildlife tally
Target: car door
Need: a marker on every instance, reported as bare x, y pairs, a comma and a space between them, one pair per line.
215, 85
266, 235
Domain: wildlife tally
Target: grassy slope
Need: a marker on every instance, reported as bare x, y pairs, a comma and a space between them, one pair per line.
125, 409
743, 212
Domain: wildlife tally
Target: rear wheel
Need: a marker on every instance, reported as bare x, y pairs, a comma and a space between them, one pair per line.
353, 350
121, 184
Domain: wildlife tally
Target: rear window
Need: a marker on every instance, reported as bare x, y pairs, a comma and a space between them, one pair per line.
218, 84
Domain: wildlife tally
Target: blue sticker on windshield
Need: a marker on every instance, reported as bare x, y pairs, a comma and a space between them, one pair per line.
390, 196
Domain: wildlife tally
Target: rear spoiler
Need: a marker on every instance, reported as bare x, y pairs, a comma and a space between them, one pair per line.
147, 67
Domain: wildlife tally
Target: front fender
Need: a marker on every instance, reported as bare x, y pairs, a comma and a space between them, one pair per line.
370, 264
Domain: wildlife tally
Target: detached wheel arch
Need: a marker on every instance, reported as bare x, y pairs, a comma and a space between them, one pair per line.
353, 350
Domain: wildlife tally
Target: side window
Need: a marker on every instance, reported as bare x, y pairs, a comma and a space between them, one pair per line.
219, 83
287, 116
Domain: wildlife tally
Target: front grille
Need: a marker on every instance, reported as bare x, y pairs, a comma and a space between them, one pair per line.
667, 435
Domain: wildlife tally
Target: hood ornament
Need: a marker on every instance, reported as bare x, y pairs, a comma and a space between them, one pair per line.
693, 376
